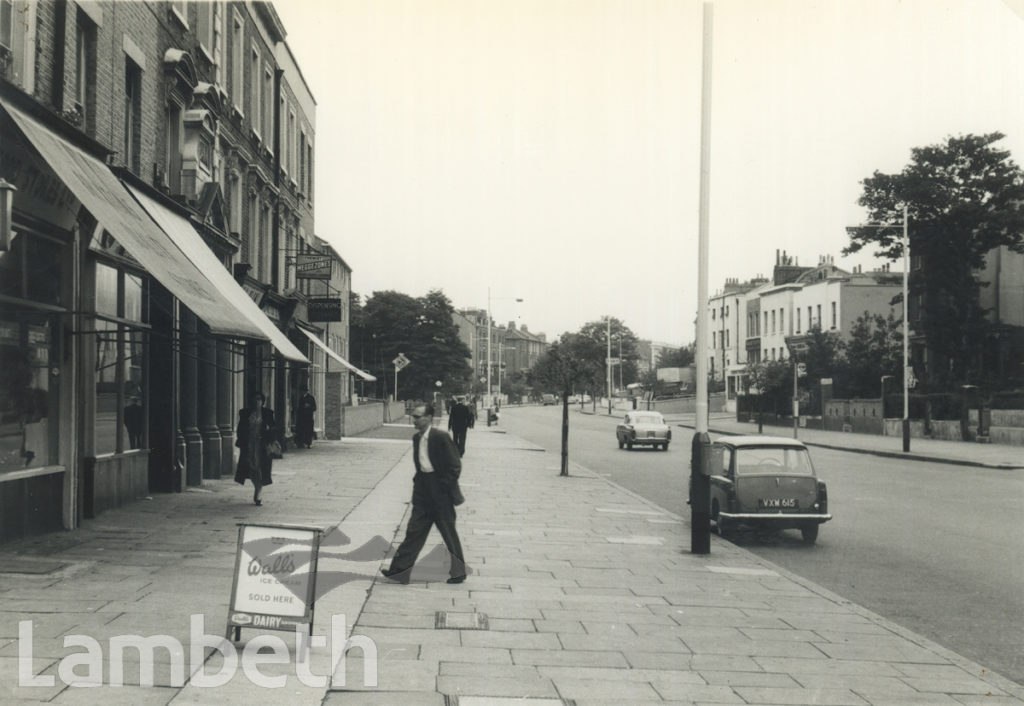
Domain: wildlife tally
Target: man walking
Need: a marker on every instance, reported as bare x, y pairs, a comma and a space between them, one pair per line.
459, 420
434, 486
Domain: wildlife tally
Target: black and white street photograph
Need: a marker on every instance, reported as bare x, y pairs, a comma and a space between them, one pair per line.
512, 352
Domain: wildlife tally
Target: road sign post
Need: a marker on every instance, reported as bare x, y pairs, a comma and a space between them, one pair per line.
399, 362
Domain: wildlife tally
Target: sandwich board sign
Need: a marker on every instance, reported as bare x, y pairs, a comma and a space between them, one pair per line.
274, 586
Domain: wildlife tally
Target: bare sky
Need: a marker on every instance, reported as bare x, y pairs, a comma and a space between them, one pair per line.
549, 149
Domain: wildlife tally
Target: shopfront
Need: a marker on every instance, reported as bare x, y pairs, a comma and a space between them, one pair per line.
123, 340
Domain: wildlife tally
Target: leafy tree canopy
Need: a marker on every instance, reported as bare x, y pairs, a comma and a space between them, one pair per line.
423, 330
623, 345
963, 198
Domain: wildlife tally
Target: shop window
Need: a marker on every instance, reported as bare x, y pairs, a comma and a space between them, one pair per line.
120, 360
29, 393
32, 269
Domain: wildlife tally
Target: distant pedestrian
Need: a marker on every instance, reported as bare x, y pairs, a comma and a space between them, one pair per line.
435, 493
256, 437
304, 419
459, 420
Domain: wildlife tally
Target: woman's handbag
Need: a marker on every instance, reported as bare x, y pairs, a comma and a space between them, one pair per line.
274, 449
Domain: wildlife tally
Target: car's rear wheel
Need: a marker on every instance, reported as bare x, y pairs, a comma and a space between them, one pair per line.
810, 533
664, 447
621, 444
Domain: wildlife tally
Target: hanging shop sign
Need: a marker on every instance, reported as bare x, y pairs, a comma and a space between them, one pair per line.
324, 309
311, 266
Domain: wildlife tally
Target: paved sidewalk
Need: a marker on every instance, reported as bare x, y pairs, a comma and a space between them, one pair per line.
580, 592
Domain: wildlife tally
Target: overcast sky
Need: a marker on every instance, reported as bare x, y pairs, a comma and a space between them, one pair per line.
549, 149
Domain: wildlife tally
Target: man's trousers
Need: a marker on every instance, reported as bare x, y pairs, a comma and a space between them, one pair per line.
431, 506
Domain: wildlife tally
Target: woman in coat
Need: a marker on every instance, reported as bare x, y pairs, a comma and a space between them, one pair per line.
256, 431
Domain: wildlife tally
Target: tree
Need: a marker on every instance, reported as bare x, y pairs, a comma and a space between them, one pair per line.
571, 361
623, 345
873, 349
823, 359
676, 357
964, 199
420, 328
769, 378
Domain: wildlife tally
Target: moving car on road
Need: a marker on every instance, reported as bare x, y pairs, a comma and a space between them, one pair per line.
766, 481
643, 428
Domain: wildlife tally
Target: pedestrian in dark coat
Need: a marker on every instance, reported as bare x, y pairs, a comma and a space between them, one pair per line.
434, 496
459, 420
304, 419
254, 436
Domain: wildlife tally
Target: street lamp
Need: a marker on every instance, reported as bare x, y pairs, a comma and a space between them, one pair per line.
907, 372
489, 321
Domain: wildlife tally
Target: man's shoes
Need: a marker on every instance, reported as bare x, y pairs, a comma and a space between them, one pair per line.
456, 579
401, 577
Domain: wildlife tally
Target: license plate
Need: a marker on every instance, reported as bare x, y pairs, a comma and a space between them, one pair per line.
777, 504
651, 434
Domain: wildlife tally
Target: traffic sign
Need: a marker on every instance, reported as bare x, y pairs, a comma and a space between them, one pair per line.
400, 361
613, 361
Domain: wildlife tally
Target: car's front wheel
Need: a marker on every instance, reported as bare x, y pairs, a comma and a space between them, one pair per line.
810, 533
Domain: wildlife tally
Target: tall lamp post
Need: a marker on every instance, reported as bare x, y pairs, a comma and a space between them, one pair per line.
489, 321
907, 371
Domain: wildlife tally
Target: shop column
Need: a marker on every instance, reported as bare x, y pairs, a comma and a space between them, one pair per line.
189, 398
207, 403
225, 408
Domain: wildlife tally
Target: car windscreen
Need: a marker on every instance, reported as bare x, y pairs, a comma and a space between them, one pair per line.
647, 419
773, 459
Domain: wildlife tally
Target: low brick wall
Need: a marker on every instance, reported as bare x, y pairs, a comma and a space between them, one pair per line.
688, 405
364, 417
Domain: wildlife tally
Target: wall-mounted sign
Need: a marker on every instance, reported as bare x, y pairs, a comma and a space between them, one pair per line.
309, 266
324, 309
275, 578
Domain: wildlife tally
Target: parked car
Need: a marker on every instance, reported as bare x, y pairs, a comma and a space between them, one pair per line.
548, 399
643, 428
766, 481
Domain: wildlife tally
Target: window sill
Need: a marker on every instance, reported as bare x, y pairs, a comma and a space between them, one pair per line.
8, 476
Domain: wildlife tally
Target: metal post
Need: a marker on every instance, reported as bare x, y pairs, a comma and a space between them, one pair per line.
396, 386
906, 335
796, 400
608, 363
700, 510
489, 349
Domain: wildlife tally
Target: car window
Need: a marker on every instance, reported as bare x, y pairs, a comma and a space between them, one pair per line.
648, 418
775, 459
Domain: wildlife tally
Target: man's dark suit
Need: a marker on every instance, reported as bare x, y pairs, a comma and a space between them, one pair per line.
432, 504
459, 420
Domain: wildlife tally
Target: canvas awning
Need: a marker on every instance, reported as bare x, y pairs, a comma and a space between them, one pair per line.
198, 253
224, 310
327, 349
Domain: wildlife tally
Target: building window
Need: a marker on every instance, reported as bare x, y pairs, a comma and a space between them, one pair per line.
798, 319
132, 113
268, 104
818, 319
810, 319
773, 321
782, 323
175, 134
122, 312
302, 162
727, 339
85, 72
237, 53
713, 339
291, 144
18, 42
833, 315
255, 107
309, 168
179, 9
265, 245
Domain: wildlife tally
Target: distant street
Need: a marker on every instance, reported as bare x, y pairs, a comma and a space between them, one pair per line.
936, 548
